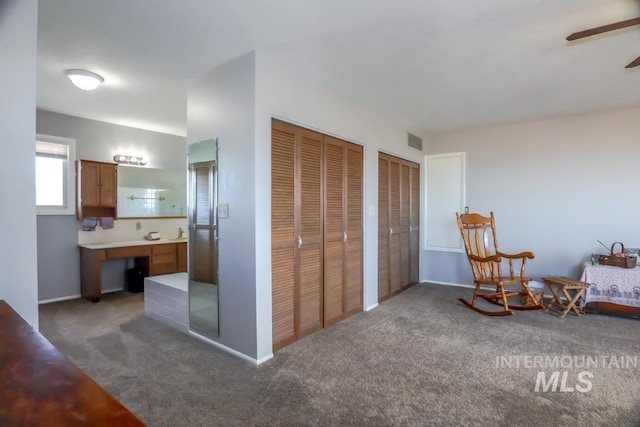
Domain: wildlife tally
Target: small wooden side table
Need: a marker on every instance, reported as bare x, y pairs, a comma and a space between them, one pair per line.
561, 287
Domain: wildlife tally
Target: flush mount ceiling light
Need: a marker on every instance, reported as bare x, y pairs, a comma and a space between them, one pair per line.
85, 80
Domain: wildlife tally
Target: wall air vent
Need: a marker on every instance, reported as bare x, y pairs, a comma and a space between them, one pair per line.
415, 142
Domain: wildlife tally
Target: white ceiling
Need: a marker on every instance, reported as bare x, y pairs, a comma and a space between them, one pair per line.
432, 65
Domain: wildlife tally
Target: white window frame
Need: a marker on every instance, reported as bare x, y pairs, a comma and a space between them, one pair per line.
69, 208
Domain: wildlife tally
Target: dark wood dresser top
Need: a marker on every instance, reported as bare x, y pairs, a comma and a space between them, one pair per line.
39, 386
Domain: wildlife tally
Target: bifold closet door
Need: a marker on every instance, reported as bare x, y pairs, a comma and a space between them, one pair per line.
398, 224
383, 228
354, 279
334, 232
309, 230
316, 226
283, 234
296, 232
414, 231
343, 230
395, 275
405, 223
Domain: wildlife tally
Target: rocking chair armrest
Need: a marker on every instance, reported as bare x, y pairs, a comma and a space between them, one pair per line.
520, 255
491, 258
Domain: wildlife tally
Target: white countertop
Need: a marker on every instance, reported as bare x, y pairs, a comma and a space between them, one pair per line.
130, 243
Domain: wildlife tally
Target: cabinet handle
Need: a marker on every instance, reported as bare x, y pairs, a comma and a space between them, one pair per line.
344, 236
299, 241
390, 231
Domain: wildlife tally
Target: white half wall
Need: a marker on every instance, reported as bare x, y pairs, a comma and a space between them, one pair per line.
556, 187
18, 257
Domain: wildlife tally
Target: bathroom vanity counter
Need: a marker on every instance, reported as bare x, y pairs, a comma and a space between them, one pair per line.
157, 257
128, 243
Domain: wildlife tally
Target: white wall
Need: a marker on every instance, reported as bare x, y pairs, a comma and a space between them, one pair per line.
556, 186
100, 141
235, 103
283, 93
221, 105
18, 263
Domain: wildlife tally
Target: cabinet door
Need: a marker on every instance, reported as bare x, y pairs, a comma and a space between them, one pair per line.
89, 183
164, 259
108, 185
182, 257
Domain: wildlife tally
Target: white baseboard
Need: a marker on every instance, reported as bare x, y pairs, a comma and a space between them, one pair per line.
230, 350
371, 307
486, 288
108, 291
459, 285
47, 301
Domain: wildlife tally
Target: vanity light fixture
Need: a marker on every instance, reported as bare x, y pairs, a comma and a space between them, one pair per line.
85, 80
131, 160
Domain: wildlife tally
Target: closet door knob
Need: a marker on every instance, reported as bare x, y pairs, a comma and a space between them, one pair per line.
299, 241
390, 231
344, 236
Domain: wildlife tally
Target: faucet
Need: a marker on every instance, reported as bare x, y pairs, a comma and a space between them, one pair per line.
180, 232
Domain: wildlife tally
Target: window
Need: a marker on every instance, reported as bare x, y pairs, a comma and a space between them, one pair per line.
55, 158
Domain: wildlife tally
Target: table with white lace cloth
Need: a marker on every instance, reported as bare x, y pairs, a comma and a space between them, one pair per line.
614, 285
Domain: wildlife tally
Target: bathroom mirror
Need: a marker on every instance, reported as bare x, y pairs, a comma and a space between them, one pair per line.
151, 193
203, 237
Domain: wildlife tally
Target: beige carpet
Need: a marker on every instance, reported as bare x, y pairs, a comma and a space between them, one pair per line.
419, 359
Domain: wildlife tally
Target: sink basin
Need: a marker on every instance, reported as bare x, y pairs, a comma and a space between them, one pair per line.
178, 239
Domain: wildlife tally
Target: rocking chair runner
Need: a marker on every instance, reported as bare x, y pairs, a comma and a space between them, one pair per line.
479, 233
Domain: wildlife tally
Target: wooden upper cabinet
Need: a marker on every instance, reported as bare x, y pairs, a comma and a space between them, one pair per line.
97, 189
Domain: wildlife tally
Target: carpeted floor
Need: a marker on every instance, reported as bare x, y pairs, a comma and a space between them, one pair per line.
420, 358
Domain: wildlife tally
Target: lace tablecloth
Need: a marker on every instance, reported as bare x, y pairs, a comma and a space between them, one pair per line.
612, 284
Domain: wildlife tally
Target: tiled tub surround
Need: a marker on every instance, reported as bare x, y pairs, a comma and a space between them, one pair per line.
166, 299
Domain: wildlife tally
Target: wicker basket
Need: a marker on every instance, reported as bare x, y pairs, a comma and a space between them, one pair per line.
526, 301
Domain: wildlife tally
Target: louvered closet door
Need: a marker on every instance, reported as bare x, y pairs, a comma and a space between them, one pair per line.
398, 224
334, 232
354, 242
316, 223
395, 274
283, 233
343, 281
405, 216
309, 229
414, 239
383, 227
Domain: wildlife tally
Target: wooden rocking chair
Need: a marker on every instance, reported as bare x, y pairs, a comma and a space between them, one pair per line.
479, 233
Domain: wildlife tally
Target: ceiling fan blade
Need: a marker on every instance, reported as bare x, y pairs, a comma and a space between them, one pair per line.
604, 29
635, 63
